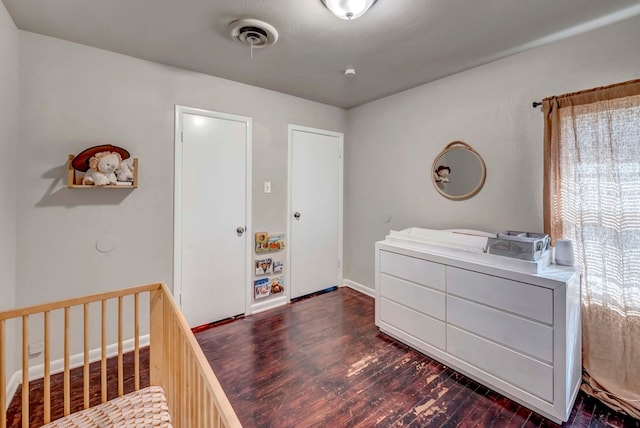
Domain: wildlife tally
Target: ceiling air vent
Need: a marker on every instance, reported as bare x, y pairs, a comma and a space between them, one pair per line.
253, 32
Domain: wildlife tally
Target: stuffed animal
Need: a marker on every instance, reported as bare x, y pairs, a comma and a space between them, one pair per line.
441, 174
102, 167
124, 172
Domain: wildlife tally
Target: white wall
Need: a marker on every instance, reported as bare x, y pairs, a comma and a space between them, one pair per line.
75, 96
391, 143
8, 158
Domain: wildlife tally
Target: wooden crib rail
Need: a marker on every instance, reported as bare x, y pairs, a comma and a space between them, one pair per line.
176, 361
195, 396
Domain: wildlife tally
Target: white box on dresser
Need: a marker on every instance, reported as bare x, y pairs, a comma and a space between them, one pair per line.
516, 332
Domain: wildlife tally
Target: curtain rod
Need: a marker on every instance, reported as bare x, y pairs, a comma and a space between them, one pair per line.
536, 104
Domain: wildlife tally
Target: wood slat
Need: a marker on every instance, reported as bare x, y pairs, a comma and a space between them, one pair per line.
207, 411
103, 360
198, 405
85, 377
187, 381
3, 376
211, 414
136, 341
182, 381
120, 365
192, 389
25, 371
67, 380
156, 356
47, 367
179, 405
169, 344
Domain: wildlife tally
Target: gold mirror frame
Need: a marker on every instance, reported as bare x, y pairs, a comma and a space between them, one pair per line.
457, 145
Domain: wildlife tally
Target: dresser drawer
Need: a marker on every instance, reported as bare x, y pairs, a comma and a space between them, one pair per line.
521, 334
522, 299
512, 367
412, 269
420, 326
418, 297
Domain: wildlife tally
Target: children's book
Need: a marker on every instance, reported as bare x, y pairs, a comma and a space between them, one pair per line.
262, 242
276, 242
264, 266
262, 287
277, 285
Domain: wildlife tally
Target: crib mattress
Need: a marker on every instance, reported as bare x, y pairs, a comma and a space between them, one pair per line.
144, 408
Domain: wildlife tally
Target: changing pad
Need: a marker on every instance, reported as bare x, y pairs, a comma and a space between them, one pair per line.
461, 239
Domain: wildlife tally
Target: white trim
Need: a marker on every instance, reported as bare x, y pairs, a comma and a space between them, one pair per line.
248, 219
12, 387
76, 360
177, 208
340, 137
287, 271
180, 110
359, 287
269, 304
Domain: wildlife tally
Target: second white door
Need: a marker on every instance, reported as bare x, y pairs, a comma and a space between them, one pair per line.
315, 209
212, 213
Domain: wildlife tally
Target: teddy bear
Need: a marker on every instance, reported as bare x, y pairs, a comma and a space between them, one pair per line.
124, 172
102, 168
441, 174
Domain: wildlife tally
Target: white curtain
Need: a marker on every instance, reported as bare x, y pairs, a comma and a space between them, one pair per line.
594, 200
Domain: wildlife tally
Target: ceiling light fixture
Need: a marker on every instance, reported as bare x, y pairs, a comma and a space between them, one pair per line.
349, 72
348, 9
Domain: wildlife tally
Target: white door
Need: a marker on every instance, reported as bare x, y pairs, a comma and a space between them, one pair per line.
315, 209
211, 265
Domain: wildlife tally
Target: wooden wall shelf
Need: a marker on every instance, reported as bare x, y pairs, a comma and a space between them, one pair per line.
74, 178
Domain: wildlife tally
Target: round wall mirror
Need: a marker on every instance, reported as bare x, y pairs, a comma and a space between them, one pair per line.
458, 172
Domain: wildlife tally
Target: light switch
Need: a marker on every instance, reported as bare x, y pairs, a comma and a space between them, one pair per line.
267, 187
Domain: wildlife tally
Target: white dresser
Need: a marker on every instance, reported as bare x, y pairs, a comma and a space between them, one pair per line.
518, 333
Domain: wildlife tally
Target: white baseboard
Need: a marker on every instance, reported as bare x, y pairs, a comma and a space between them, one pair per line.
269, 304
12, 386
77, 360
359, 287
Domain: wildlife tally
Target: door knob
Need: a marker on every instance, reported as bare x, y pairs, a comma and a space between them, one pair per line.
296, 215
240, 230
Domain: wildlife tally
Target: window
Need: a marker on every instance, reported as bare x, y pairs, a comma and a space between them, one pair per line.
592, 196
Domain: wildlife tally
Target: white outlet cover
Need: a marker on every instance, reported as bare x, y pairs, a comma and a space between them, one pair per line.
35, 348
267, 187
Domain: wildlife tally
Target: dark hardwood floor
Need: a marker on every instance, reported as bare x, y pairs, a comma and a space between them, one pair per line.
322, 362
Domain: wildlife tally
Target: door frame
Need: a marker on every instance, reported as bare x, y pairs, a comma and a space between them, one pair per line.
180, 110
340, 136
